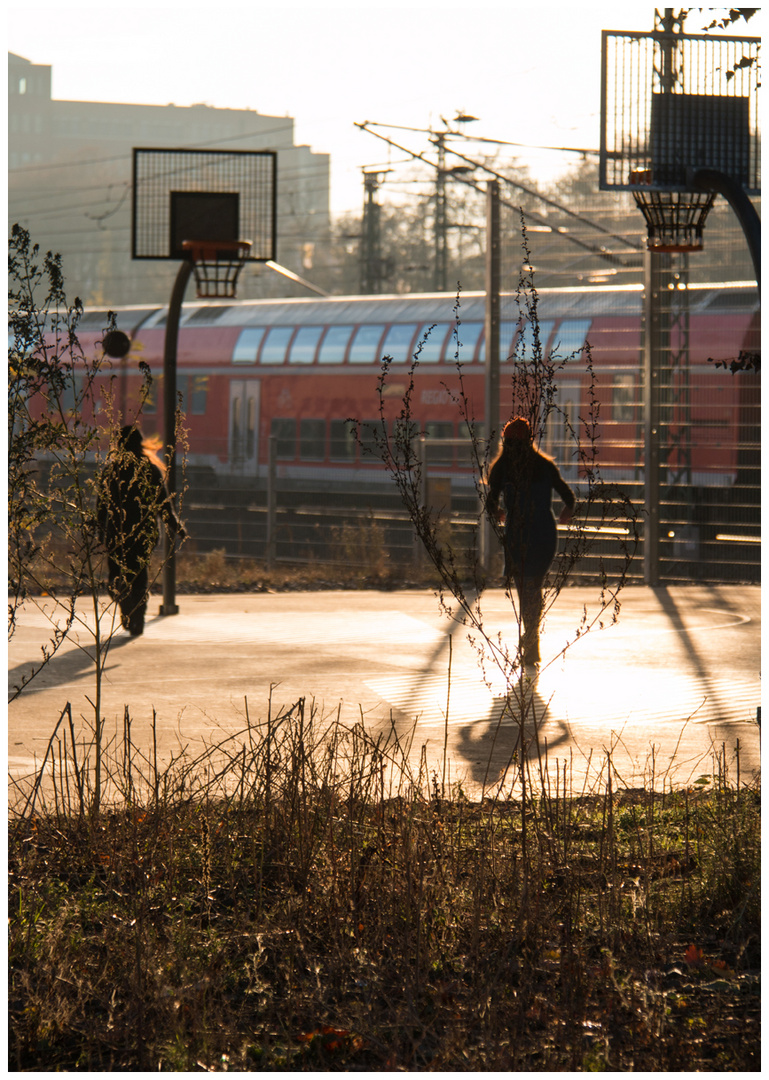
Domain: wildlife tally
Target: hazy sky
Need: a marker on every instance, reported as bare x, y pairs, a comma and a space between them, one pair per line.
530, 72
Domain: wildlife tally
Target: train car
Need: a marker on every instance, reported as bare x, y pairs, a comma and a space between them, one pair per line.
301, 369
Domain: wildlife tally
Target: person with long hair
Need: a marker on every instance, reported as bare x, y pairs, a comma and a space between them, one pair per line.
132, 496
526, 479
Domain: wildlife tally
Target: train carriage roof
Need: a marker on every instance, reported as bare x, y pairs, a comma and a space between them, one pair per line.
429, 308
566, 303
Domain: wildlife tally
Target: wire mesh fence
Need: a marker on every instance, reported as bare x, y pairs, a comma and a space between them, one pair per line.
597, 332
707, 420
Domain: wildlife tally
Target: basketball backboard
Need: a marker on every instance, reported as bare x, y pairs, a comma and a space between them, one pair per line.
673, 104
203, 195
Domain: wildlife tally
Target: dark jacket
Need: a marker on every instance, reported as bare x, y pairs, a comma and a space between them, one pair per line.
526, 479
132, 496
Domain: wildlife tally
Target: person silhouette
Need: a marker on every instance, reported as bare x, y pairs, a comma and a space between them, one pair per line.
526, 479
132, 496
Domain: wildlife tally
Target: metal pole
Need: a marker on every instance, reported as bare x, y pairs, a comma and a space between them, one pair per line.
272, 444
732, 191
169, 606
491, 387
441, 260
371, 255
419, 551
651, 399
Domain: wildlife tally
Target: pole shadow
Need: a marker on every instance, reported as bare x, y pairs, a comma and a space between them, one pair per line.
62, 668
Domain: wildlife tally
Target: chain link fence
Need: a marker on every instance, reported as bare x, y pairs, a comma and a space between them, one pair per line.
705, 521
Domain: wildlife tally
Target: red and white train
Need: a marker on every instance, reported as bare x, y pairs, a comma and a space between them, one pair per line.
299, 369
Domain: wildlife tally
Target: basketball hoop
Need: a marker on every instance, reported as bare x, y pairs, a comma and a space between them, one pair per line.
216, 264
674, 219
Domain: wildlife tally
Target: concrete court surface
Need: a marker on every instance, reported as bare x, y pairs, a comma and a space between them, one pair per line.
673, 681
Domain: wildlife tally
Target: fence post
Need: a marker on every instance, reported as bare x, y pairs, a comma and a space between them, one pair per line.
419, 550
271, 499
491, 394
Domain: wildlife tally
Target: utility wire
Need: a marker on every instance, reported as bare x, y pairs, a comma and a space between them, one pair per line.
494, 142
365, 126
78, 164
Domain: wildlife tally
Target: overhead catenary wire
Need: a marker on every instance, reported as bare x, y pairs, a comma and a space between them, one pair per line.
532, 192
560, 230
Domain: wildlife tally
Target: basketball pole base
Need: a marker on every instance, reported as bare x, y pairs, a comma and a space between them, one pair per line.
169, 605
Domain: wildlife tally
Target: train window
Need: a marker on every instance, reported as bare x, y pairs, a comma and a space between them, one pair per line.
247, 345
194, 391
507, 329
149, 395
437, 454
208, 314
276, 345
250, 425
623, 405
342, 443
475, 436
571, 337
370, 435
90, 319
70, 393
467, 335
304, 345
397, 344
334, 344
285, 435
363, 349
403, 431
524, 346
733, 301
312, 440
431, 338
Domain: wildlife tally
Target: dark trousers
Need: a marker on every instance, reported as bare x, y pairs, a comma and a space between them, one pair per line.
527, 564
129, 586
531, 603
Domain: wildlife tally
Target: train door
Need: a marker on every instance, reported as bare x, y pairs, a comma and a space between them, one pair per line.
244, 421
564, 429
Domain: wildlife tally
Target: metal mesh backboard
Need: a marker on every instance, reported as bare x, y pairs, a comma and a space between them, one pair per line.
675, 103
183, 195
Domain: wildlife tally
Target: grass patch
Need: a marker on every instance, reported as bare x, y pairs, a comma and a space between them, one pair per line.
297, 900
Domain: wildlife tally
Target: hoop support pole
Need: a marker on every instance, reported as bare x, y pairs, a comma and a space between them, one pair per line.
723, 184
169, 606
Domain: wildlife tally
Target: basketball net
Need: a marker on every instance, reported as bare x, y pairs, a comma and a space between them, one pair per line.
216, 265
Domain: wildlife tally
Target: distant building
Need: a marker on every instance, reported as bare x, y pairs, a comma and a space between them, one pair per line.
70, 165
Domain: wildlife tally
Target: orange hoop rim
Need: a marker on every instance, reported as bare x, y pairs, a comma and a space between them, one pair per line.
217, 250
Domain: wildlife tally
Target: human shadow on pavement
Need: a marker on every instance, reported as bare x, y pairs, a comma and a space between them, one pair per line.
518, 728
62, 668
481, 746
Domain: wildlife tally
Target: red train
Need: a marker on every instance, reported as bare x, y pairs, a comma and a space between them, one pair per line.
299, 369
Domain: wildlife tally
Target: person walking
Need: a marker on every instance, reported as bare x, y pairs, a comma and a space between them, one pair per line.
132, 496
526, 479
